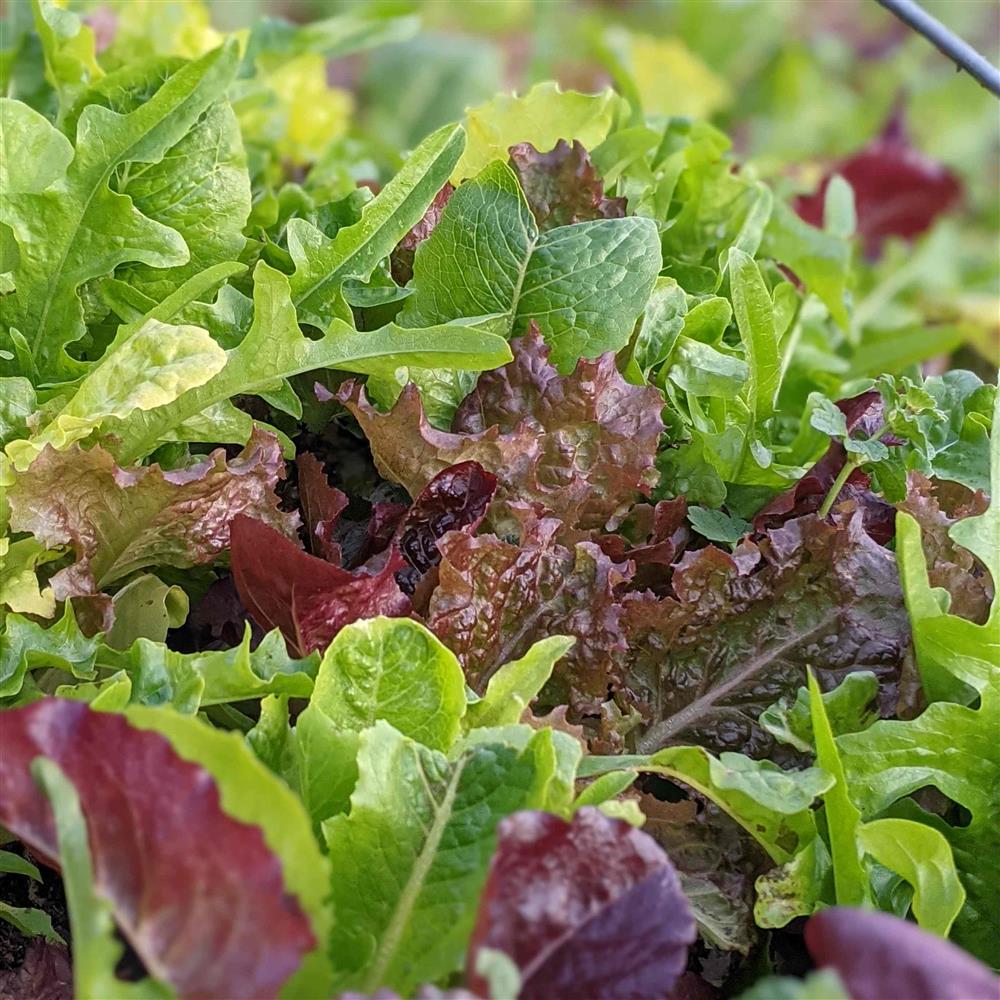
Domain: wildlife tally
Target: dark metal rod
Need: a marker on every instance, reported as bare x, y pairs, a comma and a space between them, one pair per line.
960, 52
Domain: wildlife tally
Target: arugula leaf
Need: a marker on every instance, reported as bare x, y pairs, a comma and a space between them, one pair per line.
275, 348
323, 265
583, 284
63, 215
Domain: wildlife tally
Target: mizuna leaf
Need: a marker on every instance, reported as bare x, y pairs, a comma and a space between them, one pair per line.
275, 348
323, 265
588, 908
584, 285
120, 520
309, 599
411, 856
878, 955
198, 893
495, 598
581, 446
68, 222
743, 628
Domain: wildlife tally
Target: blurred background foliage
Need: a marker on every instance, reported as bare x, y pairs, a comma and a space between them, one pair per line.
798, 85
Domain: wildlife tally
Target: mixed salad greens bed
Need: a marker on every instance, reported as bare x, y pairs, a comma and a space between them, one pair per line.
553, 571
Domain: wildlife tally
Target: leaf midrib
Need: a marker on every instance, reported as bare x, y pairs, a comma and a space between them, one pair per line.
656, 736
102, 180
397, 925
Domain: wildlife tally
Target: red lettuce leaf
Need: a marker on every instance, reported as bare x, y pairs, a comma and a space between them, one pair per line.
198, 894
897, 190
118, 520
578, 447
591, 908
401, 260
454, 500
309, 599
742, 627
862, 413
877, 956
936, 506
495, 598
45, 974
322, 505
561, 186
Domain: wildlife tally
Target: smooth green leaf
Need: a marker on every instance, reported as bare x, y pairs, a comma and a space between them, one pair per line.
516, 684
843, 818
584, 284
923, 857
754, 314
392, 669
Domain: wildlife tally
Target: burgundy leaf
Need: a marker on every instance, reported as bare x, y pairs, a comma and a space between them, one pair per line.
652, 537
45, 974
579, 446
381, 528
878, 955
309, 599
897, 190
742, 628
401, 261
454, 500
591, 908
322, 505
495, 598
120, 520
562, 186
862, 413
950, 566
198, 894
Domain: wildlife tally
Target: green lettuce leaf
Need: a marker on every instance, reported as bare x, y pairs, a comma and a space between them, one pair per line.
411, 856
70, 226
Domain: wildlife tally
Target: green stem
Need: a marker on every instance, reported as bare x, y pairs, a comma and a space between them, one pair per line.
838, 484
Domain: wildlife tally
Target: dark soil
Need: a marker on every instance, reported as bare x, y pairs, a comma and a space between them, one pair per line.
19, 890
